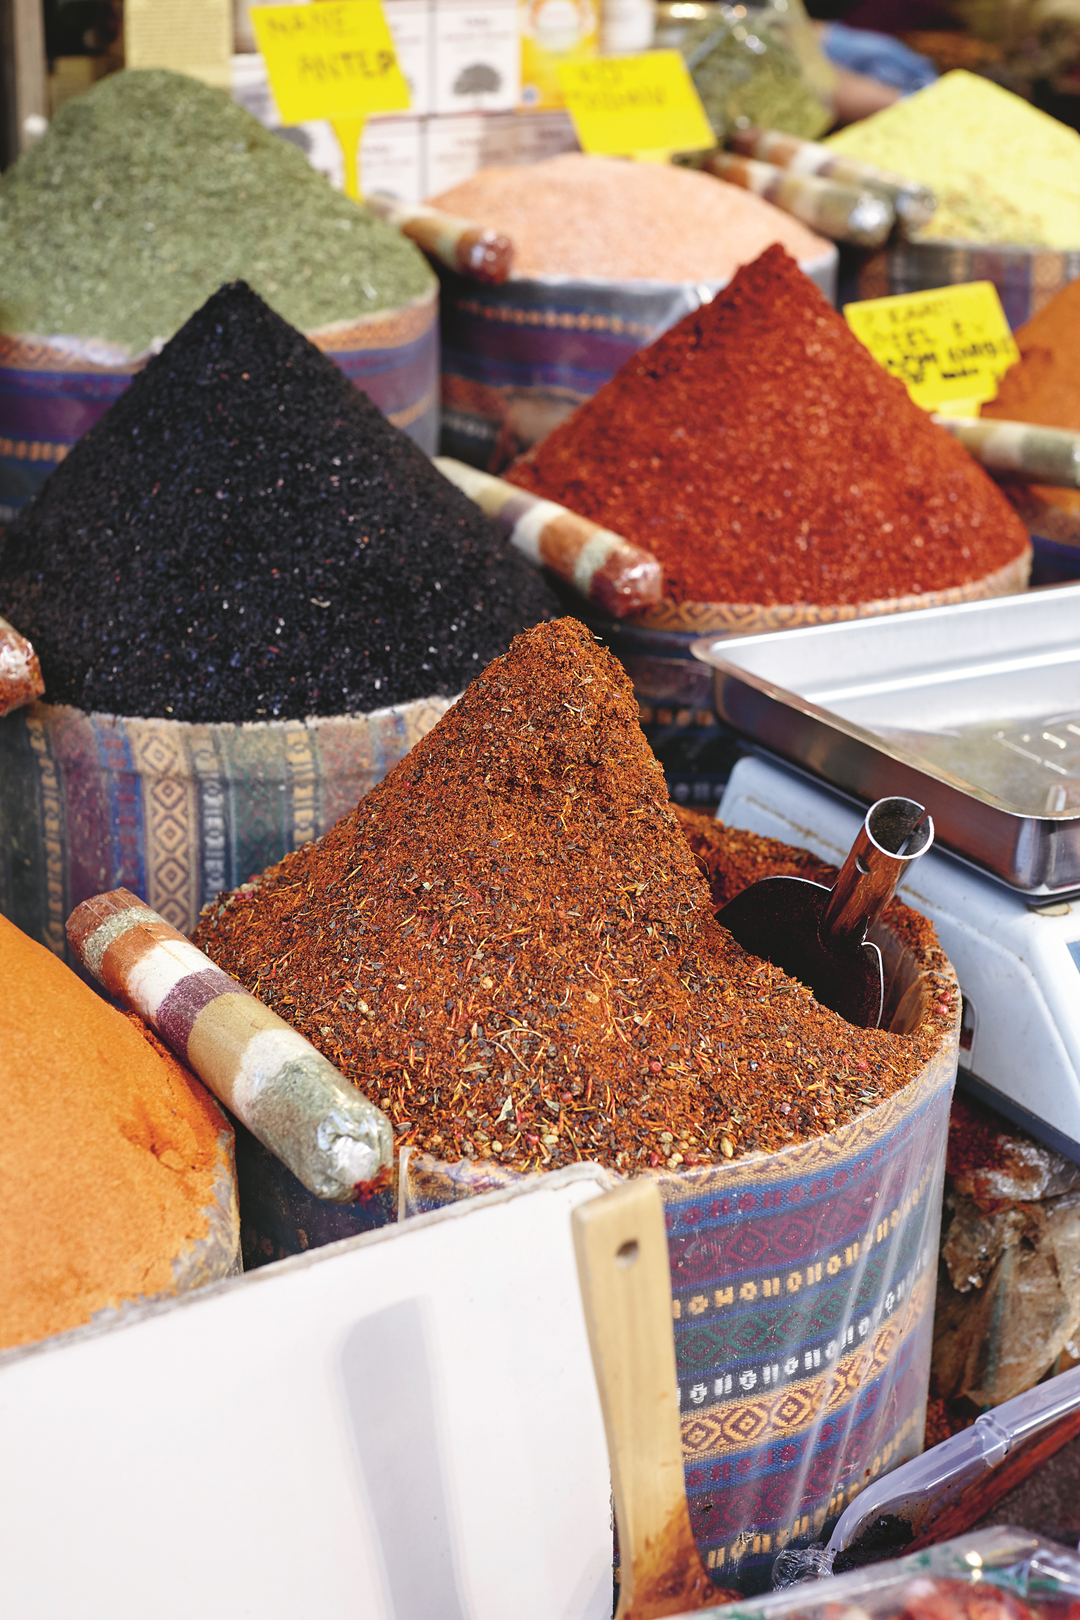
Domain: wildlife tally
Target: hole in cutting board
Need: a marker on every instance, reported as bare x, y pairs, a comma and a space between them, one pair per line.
627, 1253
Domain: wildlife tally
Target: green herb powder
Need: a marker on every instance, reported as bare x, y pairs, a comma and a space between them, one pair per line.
148, 193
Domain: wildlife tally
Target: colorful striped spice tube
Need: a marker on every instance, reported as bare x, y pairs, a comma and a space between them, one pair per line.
608, 571
20, 672
329, 1135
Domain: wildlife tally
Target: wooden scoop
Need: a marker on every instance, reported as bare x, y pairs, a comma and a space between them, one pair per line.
622, 1258
818, 935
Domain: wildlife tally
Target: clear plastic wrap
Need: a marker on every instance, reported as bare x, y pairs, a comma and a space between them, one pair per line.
803, 1290
998, 1574
965, 1474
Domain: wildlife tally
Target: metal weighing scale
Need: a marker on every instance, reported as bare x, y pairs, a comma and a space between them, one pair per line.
973, 710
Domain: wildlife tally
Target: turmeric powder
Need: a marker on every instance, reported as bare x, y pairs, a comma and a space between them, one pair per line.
111, 1153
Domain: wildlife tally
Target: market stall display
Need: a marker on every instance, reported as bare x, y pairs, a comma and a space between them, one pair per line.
776, 472
607, 256
510, 943
118, 1183
247, 556
108, 244
1004, 176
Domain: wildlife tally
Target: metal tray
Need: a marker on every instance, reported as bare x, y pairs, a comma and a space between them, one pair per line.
974, 710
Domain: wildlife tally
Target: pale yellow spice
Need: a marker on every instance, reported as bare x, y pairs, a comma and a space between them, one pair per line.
1002, 171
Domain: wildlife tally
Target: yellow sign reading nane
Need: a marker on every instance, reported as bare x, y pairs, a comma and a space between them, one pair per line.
625, 104
949, 346
331, 59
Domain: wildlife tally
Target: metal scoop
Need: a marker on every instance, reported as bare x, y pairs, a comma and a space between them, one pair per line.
818, 935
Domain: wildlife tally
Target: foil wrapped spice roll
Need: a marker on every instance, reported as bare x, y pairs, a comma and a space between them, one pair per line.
20, 672
913, 204
846, 213
461, 244
1040, 455
609, 571
287, 1094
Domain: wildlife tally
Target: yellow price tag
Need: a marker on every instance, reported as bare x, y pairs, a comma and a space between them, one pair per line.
626, 104
951, 346
331, 59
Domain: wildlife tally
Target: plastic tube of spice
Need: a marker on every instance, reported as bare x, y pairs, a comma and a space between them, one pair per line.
846, 213
20, 672
1043, 455
286, 1093
913, 204
603, 567
461, 244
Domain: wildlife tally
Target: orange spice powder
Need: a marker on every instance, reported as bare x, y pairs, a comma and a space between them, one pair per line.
109, 1150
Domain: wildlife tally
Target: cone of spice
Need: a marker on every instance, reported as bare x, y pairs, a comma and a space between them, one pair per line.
511, 946
116, 1166
244, 536
764, 457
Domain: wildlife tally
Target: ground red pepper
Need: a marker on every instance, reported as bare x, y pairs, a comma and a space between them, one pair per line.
761, 453
509, 945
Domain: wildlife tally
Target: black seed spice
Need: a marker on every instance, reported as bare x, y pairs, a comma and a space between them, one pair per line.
245, 536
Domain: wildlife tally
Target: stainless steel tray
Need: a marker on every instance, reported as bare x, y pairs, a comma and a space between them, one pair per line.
974, 710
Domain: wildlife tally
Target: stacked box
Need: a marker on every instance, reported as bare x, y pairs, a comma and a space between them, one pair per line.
462, 65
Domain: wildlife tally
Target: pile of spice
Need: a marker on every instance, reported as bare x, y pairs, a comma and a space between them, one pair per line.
111, 1153
243, 535
592, 216
1001, 170
146, 194
764, 457
510, 947
1044, 384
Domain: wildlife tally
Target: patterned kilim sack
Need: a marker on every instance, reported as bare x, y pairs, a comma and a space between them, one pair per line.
803, 1295
53, 389
171, 810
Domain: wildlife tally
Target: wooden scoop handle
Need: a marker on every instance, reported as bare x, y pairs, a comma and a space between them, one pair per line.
622, 1256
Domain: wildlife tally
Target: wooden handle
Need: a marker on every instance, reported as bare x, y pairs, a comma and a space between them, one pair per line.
622, 1257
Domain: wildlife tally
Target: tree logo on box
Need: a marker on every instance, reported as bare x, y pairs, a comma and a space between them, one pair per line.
479, 79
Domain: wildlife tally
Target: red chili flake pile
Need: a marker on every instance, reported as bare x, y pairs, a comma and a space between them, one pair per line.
509, 946
764, 457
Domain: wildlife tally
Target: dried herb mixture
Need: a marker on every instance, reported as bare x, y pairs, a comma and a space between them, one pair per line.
509, 946
147, 193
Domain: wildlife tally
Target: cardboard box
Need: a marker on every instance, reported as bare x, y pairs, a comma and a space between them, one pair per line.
457, 147
476, 56
392, 157
543, 135
410, 25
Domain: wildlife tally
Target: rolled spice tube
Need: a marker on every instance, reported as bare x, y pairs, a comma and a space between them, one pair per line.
913, 204
609, 571
461, 244
20, 672
286, 1093
1041, 455
843, 212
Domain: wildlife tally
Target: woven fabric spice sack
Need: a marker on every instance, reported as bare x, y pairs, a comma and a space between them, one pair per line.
509, 946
